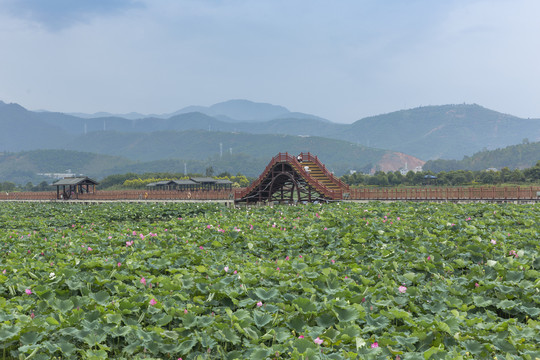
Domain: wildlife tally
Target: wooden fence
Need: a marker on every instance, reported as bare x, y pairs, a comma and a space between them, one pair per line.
126, 195
447, 193
515, 193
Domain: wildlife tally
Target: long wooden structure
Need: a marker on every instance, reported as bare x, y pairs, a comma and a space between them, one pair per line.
491, 193
456, 194
292, 179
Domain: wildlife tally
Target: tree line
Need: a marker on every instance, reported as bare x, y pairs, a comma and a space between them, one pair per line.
139, 181
447, 178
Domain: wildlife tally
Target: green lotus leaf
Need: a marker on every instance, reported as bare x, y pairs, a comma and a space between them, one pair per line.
473, 347
506, 304
261, 318
52, 321
186, 346
266, 295
531, 311
305, 305
346, 314
231, 336
326, 319
302, 345
63, 305
260, 354
433, 350
30, 338
297, 323
406, 341
101, 297
67, 348
482, 301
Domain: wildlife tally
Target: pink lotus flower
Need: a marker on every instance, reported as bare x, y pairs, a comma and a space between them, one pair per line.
318, 341
153, 302
259, 304
28, 292
143, 281
375, 345
301, 337
402, 289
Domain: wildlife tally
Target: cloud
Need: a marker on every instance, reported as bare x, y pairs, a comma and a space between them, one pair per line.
340, 60
60, 14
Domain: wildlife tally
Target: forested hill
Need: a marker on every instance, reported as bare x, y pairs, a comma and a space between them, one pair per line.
447, 131
430, 132
514, 157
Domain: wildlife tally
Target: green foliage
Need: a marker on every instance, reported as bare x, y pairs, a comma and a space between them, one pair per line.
163, 281
450, 178
511, 157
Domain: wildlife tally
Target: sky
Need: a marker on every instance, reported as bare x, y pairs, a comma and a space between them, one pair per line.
342, 59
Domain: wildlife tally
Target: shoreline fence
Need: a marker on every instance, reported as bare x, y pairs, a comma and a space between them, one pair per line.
492, 193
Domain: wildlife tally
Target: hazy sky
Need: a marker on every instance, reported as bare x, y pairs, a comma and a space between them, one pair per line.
340, 59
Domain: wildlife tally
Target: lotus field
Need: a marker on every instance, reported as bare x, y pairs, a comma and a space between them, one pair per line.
337, 281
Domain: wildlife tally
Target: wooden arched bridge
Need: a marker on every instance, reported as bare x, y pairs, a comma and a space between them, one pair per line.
291, 179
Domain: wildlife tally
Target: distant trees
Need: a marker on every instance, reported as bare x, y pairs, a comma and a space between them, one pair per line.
447, 178
139, 181
8, 186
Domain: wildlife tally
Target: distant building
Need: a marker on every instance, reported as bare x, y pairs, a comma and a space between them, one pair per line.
405, 170
66, 174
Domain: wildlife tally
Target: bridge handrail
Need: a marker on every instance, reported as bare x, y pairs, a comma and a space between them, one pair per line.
333, 194
313, 158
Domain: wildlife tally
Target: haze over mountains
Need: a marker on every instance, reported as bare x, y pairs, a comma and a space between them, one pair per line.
258, 131
230, 111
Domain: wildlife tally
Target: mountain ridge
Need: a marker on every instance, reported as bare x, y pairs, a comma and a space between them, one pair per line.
428, 133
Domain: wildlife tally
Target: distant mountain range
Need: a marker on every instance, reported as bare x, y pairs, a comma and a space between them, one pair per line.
259, 131
229, 111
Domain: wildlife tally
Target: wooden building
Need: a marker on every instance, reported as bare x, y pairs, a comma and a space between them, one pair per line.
192, 184
73, 186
